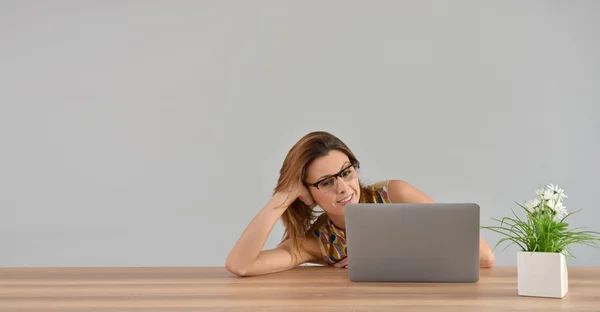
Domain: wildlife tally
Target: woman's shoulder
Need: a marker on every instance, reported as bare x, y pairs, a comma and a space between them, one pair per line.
379, 191
400, 191
383, 184
390, 183
397, 191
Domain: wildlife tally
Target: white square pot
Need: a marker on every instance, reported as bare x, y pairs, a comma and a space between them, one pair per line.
542, 274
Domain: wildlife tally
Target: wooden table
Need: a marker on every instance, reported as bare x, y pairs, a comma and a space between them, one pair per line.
301, 289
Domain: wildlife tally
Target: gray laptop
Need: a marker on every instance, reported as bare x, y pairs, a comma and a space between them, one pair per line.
413, 242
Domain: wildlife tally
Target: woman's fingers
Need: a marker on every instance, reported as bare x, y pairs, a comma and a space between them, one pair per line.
342, 263
307, 199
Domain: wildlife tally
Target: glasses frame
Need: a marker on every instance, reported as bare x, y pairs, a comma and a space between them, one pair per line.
355, 164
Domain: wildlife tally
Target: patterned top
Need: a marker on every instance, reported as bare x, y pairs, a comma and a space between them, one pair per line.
332, 239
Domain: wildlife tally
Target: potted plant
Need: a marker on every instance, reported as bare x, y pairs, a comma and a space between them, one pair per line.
544, 239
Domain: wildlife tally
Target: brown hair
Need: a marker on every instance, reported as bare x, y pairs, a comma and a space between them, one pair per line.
299, 217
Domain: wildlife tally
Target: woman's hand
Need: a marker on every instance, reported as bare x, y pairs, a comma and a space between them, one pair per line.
298, 191
342, 263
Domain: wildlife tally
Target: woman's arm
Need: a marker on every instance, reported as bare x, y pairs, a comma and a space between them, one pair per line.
247, 257
402, 192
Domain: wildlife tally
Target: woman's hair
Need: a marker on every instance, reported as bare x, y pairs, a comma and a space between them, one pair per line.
299, 217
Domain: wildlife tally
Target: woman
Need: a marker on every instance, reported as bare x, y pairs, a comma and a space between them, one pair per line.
319, 170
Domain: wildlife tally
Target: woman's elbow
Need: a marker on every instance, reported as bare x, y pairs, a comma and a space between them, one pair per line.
488, 261
236, 269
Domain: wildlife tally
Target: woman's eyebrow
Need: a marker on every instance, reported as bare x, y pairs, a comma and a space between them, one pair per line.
328, 175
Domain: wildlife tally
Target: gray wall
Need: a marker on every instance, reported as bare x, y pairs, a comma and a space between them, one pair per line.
137, 133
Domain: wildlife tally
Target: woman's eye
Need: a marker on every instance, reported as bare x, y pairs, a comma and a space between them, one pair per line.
346, 172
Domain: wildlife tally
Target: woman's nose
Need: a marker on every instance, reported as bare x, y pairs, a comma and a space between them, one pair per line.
341, 185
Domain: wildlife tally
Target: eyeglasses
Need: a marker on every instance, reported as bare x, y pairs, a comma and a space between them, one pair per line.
329, 184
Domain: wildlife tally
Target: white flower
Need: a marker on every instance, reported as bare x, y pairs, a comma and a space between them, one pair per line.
561, 212
548, 201
532, 205
558, 209
555, 189
549, 195
559, 206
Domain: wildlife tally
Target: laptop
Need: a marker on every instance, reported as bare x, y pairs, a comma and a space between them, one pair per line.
428, 242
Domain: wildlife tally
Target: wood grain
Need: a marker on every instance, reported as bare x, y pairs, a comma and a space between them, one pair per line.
302, 289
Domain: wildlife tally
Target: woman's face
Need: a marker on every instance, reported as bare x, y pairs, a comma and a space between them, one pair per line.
333, 193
